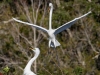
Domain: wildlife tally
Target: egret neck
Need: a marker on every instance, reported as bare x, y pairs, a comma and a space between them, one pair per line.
50, 16
28, 66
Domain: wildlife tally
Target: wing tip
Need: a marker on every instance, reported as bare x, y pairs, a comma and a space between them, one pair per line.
90, 12
15, 18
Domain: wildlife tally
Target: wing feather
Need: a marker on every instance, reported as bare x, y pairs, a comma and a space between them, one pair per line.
35, 26
69, 24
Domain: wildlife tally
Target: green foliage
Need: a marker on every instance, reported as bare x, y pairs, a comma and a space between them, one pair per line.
15, 47
9, 1
78, 71
66, 72
6, 70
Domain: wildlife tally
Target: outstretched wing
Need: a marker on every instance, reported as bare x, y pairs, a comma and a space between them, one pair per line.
69, 24
35, 26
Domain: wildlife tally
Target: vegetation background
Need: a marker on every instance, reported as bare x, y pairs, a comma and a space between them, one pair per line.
80, 44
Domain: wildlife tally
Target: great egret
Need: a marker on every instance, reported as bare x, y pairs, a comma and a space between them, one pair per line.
27, 70
53, 32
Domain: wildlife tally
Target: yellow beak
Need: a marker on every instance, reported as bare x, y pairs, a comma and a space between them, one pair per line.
31, 48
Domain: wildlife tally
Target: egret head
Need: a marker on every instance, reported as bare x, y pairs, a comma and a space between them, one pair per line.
36, 50
50, 5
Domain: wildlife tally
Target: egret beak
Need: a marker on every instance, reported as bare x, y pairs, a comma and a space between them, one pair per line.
48, 9
31, 48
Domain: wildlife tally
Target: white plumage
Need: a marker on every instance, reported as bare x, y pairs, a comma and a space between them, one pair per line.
27, 69
53, 32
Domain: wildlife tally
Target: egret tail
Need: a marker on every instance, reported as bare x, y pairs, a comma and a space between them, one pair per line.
57, 43
54, 44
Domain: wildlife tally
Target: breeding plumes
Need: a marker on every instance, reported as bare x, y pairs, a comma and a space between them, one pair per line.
27, 69
53, 32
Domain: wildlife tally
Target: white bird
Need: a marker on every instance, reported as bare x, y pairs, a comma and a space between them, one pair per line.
27, 69
53, 32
